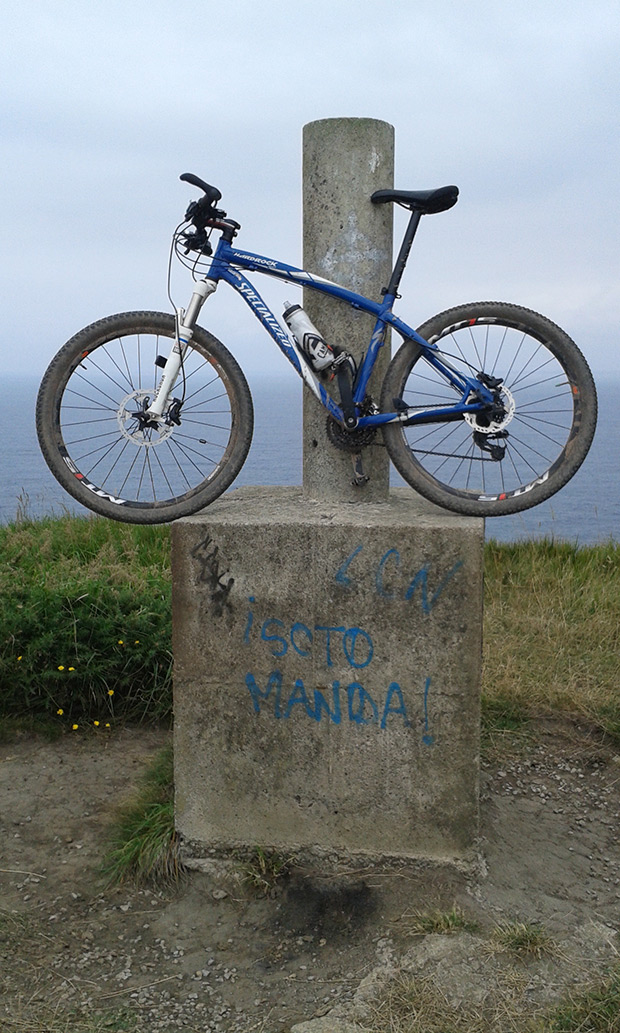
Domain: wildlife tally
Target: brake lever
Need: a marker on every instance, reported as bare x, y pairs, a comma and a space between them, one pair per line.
197, 241
199, 212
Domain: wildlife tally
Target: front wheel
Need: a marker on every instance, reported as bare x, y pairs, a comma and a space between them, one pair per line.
99, 443
492, 467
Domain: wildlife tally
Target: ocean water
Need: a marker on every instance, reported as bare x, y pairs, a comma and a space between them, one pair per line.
586, 511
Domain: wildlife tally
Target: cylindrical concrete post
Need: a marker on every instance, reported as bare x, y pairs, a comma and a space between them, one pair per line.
346, 239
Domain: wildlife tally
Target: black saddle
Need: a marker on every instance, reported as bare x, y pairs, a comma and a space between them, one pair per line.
425, 201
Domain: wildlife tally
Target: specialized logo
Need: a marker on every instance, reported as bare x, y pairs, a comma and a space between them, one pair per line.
264, 313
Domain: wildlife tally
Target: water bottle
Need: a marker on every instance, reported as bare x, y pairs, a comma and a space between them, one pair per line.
315, 348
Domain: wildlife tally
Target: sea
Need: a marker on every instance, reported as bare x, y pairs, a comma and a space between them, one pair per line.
584, 512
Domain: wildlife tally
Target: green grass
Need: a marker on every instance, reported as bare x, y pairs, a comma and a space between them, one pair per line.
143, 842
593, 1010
84, 621
453, 920
552, 634
527, 939
262, 870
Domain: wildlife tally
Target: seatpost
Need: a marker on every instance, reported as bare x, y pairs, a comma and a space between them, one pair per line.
403, 254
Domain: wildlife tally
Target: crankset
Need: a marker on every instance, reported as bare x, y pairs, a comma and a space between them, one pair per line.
349, 440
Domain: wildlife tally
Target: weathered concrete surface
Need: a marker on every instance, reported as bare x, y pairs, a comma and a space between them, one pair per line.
348, 240
327, 672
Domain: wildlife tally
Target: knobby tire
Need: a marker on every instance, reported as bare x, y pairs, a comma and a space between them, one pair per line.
548, 437
89, 430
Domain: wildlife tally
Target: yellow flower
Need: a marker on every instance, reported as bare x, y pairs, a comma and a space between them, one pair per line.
96, 724
60, 711
107, 724
136, 643
120, 642
61, 668
75, 727
19, 657
110, 692
72, 668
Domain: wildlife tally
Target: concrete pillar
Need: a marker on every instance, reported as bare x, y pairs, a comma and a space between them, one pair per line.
326, 676
346, 239
327, 655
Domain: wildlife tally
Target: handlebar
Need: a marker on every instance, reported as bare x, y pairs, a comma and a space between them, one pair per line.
212, 194
203, 214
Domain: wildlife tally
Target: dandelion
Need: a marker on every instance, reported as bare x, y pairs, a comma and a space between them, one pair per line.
110, 692
136, 643
120, 642
107, 724
19, 657
61, 668
75, 727
60, 711
72, 668
96, 724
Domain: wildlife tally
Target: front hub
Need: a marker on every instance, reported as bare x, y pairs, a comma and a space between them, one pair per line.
134, 423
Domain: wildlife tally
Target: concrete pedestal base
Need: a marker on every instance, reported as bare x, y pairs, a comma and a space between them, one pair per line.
327, 675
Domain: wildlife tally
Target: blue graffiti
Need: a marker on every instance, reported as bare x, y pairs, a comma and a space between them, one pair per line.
341, 574
387, 577
381, 590
326, 642
420, 581
359, 706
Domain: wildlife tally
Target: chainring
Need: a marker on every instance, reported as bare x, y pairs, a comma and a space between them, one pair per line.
349, 440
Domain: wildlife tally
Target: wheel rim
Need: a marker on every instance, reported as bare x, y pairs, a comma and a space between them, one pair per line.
110, 446
541, 412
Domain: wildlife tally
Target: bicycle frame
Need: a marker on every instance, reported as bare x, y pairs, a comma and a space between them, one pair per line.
227, 263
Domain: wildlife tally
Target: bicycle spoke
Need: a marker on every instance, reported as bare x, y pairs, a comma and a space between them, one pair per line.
110, 439
505, 452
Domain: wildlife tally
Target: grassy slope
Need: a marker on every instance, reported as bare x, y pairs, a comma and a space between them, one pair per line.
552, 631
85, 625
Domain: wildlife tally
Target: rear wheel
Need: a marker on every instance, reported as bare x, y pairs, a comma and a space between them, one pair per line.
492, 467
108, 455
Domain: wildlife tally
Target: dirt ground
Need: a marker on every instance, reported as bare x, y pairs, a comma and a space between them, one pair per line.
211, 956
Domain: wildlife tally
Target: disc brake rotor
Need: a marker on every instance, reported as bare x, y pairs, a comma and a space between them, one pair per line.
484, 424
131, 424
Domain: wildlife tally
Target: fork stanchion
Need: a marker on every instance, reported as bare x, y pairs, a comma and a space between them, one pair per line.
346, 239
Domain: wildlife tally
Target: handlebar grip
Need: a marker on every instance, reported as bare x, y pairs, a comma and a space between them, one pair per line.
212, 193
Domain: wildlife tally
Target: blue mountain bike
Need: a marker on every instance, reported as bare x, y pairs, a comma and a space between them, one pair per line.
486, 409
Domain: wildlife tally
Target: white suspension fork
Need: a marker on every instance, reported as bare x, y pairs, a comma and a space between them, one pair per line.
185, 323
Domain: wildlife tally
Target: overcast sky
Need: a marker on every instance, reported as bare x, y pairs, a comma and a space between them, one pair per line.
106, 102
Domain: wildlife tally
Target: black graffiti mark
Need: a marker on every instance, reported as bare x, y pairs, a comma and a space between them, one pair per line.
213, 574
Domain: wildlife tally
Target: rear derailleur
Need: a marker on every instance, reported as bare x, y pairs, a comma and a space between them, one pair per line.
485, 444
489, 426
